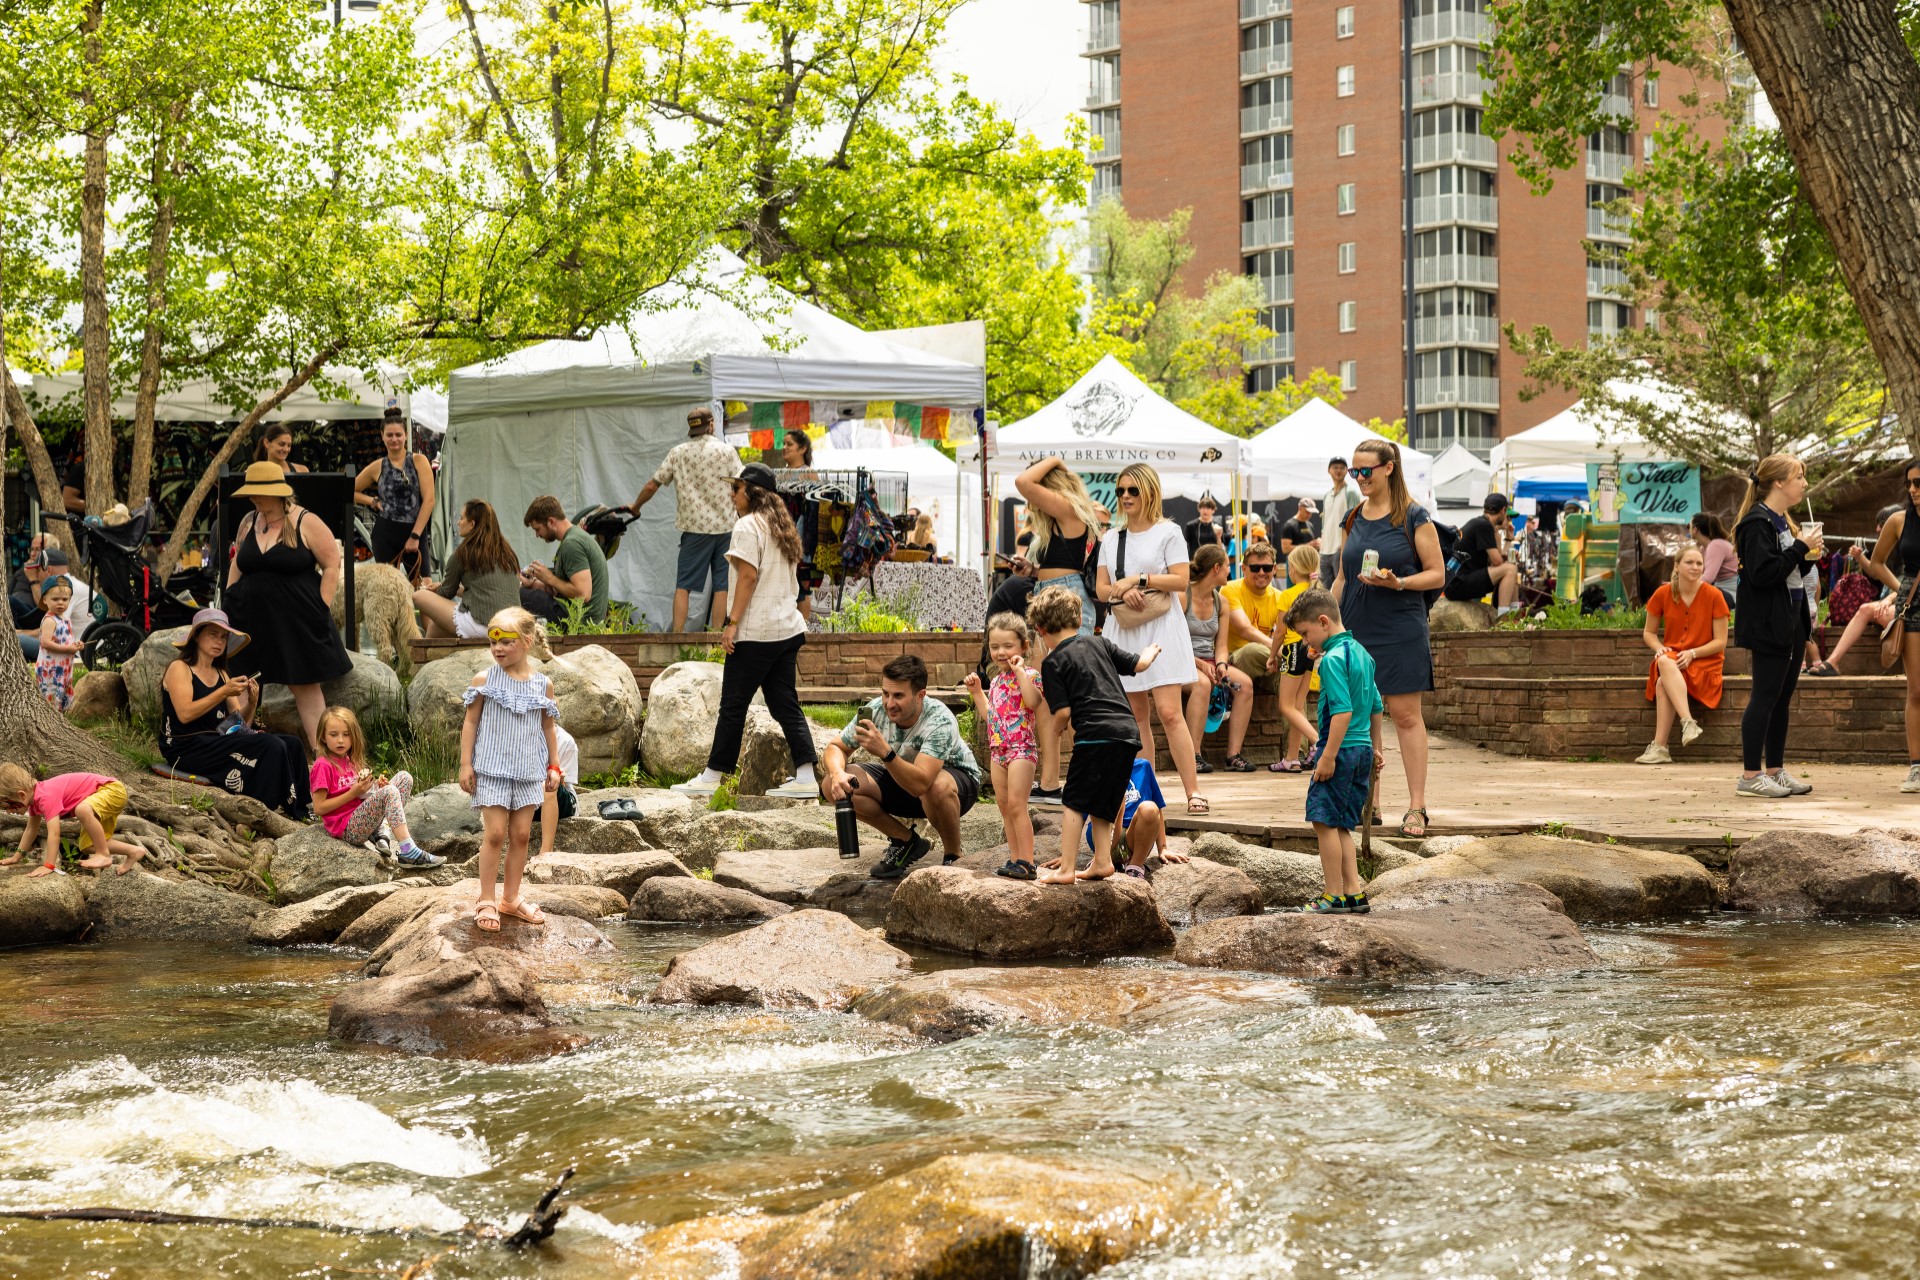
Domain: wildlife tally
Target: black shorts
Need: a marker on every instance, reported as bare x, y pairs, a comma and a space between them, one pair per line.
1294, 658
1097, 777
902, 803
1469, 584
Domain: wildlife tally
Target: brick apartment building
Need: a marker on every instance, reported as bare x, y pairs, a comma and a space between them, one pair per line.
1278, 122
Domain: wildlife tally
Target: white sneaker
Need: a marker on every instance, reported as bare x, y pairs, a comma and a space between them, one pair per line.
1655, 754
794, 789
695, 787
1794, 786
1912, 784
1762, 787
1690, 731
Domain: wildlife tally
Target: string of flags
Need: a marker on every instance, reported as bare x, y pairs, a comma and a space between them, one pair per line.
765, 424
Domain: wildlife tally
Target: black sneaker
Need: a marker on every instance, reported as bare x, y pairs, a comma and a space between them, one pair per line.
1357, 903
1044, 795
1200, 765
901, 855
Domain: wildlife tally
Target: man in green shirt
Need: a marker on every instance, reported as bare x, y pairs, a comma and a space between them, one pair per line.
579, 566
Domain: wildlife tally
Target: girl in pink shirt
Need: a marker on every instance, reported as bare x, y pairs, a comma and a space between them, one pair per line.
354, 803
93, 798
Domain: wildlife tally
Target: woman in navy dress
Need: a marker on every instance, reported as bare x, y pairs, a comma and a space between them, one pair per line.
1387, 610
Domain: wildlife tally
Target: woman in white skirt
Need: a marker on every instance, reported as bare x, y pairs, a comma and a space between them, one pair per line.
1142, 577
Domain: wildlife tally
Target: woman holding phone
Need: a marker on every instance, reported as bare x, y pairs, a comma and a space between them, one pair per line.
1778, 576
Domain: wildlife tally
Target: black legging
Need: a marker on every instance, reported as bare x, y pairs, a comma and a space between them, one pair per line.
1764, 725
755, 666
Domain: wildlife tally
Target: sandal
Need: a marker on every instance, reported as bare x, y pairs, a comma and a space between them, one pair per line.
1284, 766
1238, 764
524, 911
1823, 668
1016, 869
486, 918
1414, 830
620, 811
1198, 805
1138, 873
1200, 765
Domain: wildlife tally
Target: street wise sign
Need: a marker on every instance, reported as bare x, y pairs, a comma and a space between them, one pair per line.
1644, 492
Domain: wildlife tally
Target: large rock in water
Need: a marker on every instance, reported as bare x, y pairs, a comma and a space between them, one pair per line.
806, 960
143, 907
683, 705
1810, 873
310, 862
693, 901
370, 689
811, 827
41, 910
1286, 879
320, 919
788, 875
555, 950
977, 913
372, 929
765, 759
963, 1217
598, 696
1189, 892
1432, 929
1594, 882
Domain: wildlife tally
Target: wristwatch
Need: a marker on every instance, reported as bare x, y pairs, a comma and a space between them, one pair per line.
890, 757
1143, 582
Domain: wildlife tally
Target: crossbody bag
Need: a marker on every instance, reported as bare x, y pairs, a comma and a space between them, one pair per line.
1158, 602
1893, 640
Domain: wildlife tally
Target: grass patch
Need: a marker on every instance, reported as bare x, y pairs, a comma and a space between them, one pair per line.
834, 715
392, 745
1565, 615
136, 738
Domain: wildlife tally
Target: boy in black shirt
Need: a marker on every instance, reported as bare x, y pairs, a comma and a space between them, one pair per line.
1082, 674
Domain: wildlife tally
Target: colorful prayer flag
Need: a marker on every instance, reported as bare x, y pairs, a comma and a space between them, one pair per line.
879, 411
933, 423
760, 439
736, 408
766, 415
794, 413
909, 417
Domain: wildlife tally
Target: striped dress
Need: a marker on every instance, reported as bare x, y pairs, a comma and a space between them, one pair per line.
510, 748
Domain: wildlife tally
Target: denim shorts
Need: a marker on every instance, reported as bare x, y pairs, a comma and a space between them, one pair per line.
1341, 800
702, 554
1078, 585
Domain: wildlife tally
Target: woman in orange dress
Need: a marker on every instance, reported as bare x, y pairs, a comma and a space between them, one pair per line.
1688, 656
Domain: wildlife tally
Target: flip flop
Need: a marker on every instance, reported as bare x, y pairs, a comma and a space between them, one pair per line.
44, 870
486, 918
523, 910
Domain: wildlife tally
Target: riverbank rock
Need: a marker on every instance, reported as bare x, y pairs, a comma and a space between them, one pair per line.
965, 1217
144, 907
143, 672
318, 920
621, 872
683, 706
437, 816
1594, 882
665, 816
370, 690
598, 696
1432, 929
693, 901
804, 960
1807, 873
461, 1006
554, 950
310, 862
789, 875
955, 1003
380, 922
765, 759
811, 827
1285, 879
854, 893
42, 910
977, 913
588, 834
1189, 892
98, 695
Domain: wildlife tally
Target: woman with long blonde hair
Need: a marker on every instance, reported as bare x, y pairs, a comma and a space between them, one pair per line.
1778, 579
1066, 531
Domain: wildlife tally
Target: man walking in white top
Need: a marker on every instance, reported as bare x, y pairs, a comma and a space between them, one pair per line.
1342, 498
703, 467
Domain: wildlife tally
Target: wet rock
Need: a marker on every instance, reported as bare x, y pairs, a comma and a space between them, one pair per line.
1594, 882
621, 872
964, 1217
788, 875
98, 695
310, 862
1189, 892
765, 760
318, 920
955, 1003
437, 816
371, 930
683, 706
598, 696
692, 901
554, 950
1808, 873
151, 908
978, 913
1429, 929
460, 1006
42, 910
805, 960
855, 893
1285, 879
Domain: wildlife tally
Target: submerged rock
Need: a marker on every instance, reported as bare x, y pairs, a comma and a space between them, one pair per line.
963, 1002
978, 913
1286, 879
805, 960
1810, 873
1189, 892
1597, 882
692, 901
41, 910
1429, 929
318, 920
151, 908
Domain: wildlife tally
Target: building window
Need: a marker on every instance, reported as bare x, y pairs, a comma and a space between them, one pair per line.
1650, 91
1344, 193
1646, 146
1343, 22
1349, 252
1349, 374
1349, 316
1343, 139
1343, 81
1106, 181
1103, 80
1652, 320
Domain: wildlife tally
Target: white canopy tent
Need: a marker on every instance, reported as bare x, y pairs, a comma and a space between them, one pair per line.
201, 401
1460, 479
1292, 454
1580, 433
590, 421
1109, 420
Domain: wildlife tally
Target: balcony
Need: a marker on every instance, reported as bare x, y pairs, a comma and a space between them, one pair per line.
1455, 389
1603, 225
1256, 10
1269, 118
1434, 28
1456, 268
1277, 348
1443, 331
1454, 86
1608, 166
1104, 95
1103, 36
1271, 60
1456, 148
1456, 207
1272, 175
1617, 104
1275, 289
1266, 233
1605, 280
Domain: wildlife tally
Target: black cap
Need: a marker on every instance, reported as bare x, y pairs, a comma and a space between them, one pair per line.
759, 475
51, 558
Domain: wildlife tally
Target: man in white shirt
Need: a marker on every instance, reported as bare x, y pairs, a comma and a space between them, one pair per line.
1342, 498
703, 468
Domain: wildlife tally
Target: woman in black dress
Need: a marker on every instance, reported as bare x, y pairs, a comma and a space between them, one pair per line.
197, 695
280, 585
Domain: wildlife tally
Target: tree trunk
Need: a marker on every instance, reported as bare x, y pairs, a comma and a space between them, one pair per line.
147, 388
96, 331
1847, 91
15, 414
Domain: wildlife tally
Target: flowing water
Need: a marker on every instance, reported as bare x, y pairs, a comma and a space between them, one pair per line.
1724, 1098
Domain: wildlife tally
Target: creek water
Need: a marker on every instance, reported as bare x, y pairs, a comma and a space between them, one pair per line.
1720, 1098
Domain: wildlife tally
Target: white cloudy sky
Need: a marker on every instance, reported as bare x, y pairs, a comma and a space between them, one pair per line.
1025, 56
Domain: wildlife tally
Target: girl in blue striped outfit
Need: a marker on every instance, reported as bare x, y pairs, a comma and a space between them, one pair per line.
509, 758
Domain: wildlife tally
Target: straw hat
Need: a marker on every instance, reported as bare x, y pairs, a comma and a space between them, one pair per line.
236, 640
265, 480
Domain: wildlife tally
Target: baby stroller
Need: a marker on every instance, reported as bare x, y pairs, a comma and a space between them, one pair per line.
606, 525
116, 570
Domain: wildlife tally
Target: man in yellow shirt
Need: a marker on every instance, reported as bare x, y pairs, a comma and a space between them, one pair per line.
1254, 605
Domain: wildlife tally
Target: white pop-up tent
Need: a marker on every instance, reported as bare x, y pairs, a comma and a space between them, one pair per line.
200, 401
1583, 433
590, 421
1109, 420
1292, 454
1460, 479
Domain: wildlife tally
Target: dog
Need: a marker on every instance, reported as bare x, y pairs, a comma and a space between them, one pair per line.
383, 603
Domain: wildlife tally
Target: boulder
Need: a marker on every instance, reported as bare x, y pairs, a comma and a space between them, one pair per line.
143, 907
665, 816
1594, 882
1391, 857
1440, 929
310, 862
370, 689
554, 950
143, 672
978, 913
961, 1217
620, 872
789, 875
804, 960
855, 893
1189, 892
1460, 615
599, 701
1810, 873
693, 901
584, 834
811, 827
318, 920
683, 705
436, 816
462, 1006
765, 759
99, 695
955, 1003
379, 923
1285, 879
41, 910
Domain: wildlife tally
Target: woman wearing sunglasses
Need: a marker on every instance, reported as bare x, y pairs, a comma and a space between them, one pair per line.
1143, 570
1389, 559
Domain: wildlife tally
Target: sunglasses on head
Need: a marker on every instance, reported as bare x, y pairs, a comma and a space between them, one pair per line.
1127, 491
500, 635
1261, 568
